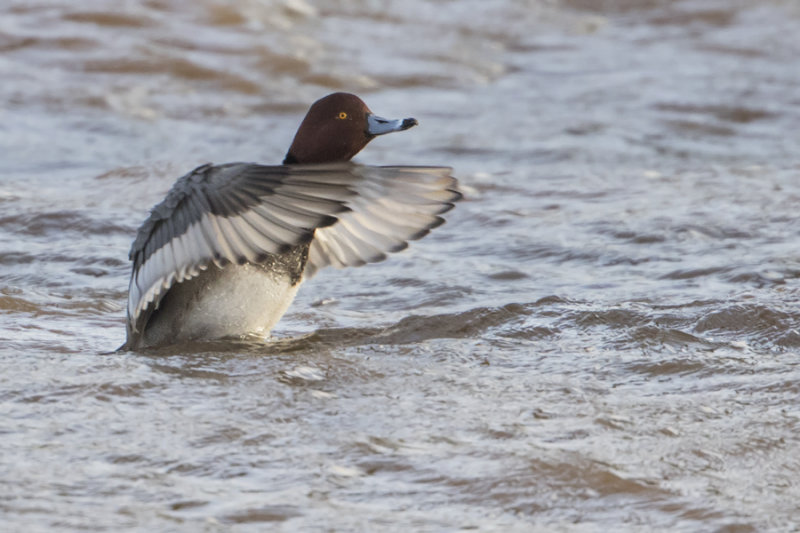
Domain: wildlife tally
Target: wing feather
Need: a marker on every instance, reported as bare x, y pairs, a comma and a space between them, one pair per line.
391, 206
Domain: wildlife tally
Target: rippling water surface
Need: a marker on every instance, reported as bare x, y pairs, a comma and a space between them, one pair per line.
604, 336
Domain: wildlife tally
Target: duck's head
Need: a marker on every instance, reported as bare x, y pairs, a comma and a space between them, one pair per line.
336, 128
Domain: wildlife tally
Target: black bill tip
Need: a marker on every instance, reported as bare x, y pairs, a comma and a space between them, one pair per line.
408, 123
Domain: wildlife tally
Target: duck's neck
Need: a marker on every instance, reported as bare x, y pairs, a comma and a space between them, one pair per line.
291, 159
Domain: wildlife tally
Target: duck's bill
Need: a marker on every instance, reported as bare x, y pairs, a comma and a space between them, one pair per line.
378, 125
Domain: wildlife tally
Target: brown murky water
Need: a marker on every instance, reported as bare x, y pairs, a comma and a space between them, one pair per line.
604, 337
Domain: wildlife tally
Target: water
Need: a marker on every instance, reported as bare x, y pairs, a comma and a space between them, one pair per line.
604, 336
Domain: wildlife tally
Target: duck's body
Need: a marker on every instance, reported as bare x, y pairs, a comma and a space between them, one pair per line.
225, 252
234, 301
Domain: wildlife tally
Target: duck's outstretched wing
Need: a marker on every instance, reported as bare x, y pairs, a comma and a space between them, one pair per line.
233, 213
242, 213
392, 205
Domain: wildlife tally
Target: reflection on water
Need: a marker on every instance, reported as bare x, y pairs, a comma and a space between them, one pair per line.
603, 336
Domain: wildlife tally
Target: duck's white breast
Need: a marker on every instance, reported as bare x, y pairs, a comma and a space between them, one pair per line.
222, 302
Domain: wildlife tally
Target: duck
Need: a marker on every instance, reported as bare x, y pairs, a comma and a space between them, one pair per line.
224, 254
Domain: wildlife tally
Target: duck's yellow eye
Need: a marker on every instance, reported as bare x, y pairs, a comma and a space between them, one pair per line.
342, 115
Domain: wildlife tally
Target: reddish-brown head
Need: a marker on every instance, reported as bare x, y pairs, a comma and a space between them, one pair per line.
336, 128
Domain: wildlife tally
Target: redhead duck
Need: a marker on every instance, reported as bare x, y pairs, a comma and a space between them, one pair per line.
225, 252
